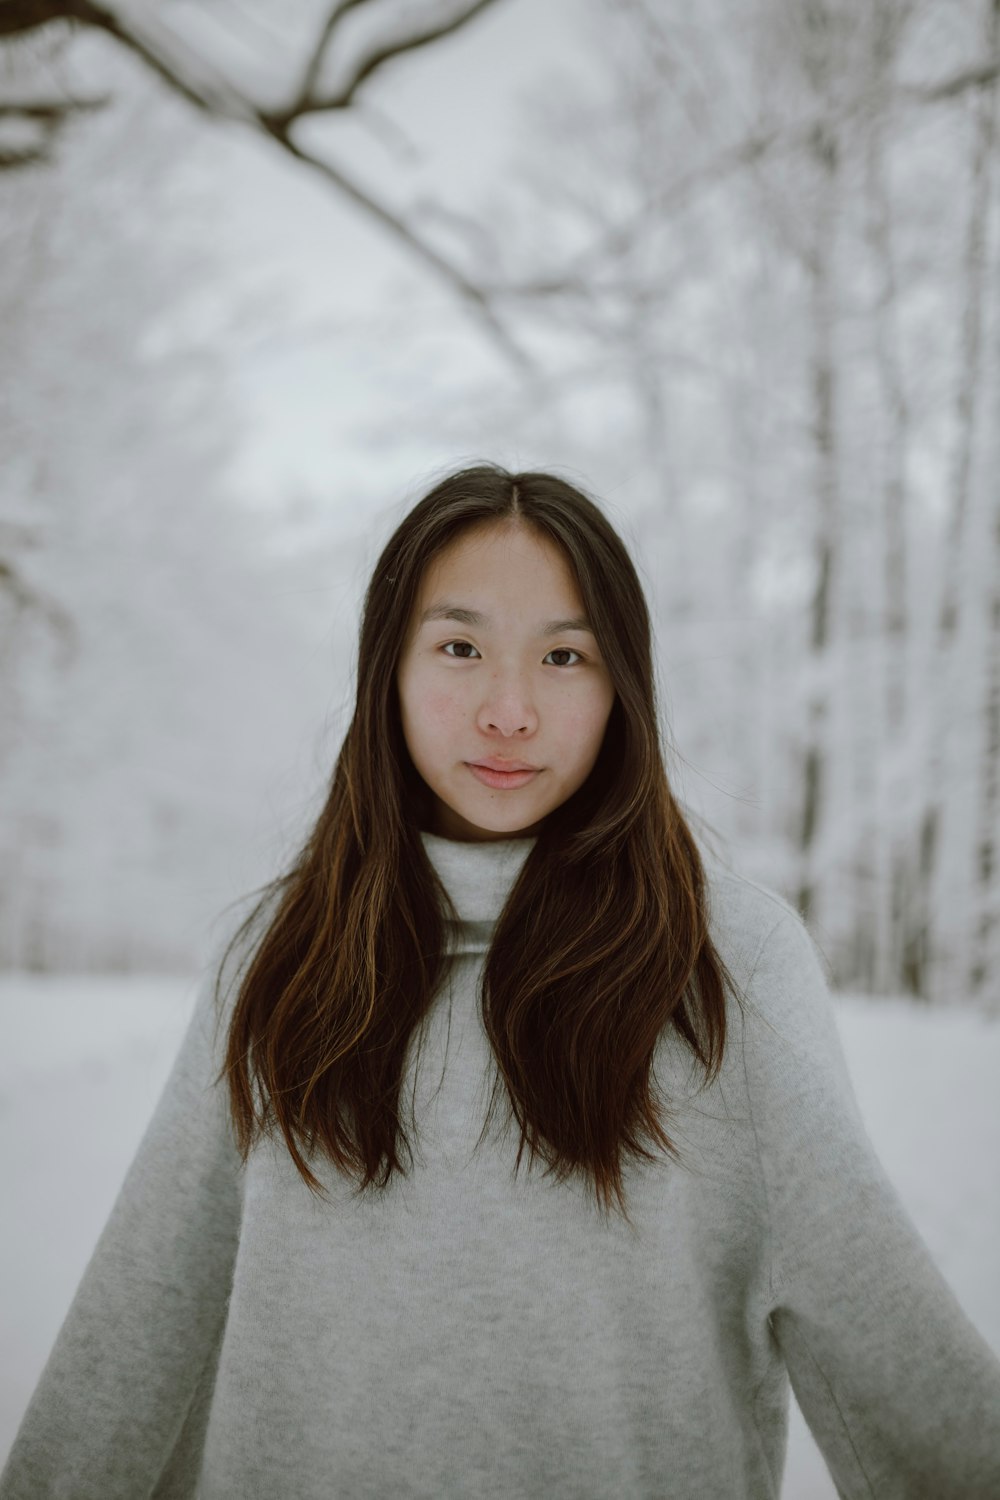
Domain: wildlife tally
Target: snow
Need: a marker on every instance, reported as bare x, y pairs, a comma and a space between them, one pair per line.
87, 1057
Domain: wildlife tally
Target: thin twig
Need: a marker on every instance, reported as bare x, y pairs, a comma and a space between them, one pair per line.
420, 36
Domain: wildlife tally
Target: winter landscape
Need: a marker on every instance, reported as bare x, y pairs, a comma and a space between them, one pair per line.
734, 267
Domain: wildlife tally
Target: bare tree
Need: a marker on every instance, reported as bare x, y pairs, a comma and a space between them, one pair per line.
923, 950
881, 732
37, 35
828, 120
984, 963
204, 76
133, 564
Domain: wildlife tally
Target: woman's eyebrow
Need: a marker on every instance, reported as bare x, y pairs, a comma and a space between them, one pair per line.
466, 616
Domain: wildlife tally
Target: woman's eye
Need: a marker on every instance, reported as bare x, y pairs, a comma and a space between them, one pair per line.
556, 651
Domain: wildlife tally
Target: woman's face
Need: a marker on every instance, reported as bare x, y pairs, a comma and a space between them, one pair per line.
506, 685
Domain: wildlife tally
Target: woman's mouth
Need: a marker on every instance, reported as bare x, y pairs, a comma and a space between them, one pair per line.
501, 780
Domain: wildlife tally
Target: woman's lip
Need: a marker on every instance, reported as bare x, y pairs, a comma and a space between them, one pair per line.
500, 780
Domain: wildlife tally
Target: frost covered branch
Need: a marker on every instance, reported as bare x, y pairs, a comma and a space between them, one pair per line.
747, 152
418, 31
207, 84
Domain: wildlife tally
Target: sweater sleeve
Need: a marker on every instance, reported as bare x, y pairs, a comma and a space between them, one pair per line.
899, 1389
120, 1408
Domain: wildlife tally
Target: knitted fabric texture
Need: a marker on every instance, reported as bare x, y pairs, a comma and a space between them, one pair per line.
469, 1333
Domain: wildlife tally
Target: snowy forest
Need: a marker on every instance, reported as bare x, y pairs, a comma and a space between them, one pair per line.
733, 267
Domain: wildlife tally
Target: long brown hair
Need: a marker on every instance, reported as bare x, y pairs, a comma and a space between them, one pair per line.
603, 941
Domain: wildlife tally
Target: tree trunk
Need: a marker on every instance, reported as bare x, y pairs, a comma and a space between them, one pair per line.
925, 965
880, 850
984, 963
825, 156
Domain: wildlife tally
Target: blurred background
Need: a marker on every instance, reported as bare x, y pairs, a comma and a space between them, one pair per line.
733, 267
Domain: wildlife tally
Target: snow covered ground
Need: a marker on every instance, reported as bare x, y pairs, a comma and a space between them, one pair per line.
85, 1060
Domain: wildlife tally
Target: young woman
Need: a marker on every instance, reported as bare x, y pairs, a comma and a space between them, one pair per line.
501, 887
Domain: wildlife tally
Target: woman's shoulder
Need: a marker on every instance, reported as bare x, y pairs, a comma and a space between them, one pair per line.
747, 917
783, 975
740, 895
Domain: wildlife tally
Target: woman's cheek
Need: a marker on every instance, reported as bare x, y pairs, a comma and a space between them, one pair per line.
444, 706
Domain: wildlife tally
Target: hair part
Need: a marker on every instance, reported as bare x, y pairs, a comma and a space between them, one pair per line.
602, 945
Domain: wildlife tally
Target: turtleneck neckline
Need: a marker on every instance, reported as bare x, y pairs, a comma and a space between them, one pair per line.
477, 876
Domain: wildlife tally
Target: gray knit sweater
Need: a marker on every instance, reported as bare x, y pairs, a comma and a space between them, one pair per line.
473, 1334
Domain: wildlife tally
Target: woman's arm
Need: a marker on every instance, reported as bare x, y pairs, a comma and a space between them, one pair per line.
899, 1389
124, 1391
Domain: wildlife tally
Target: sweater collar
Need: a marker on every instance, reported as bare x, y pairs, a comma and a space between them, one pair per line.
478, 877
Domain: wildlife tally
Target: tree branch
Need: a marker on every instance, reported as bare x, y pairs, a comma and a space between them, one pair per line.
44, 118
51, 111
419, 36
25, 598
315, 63
979, 77
25, 15
205, 85
472, 294
748, 152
